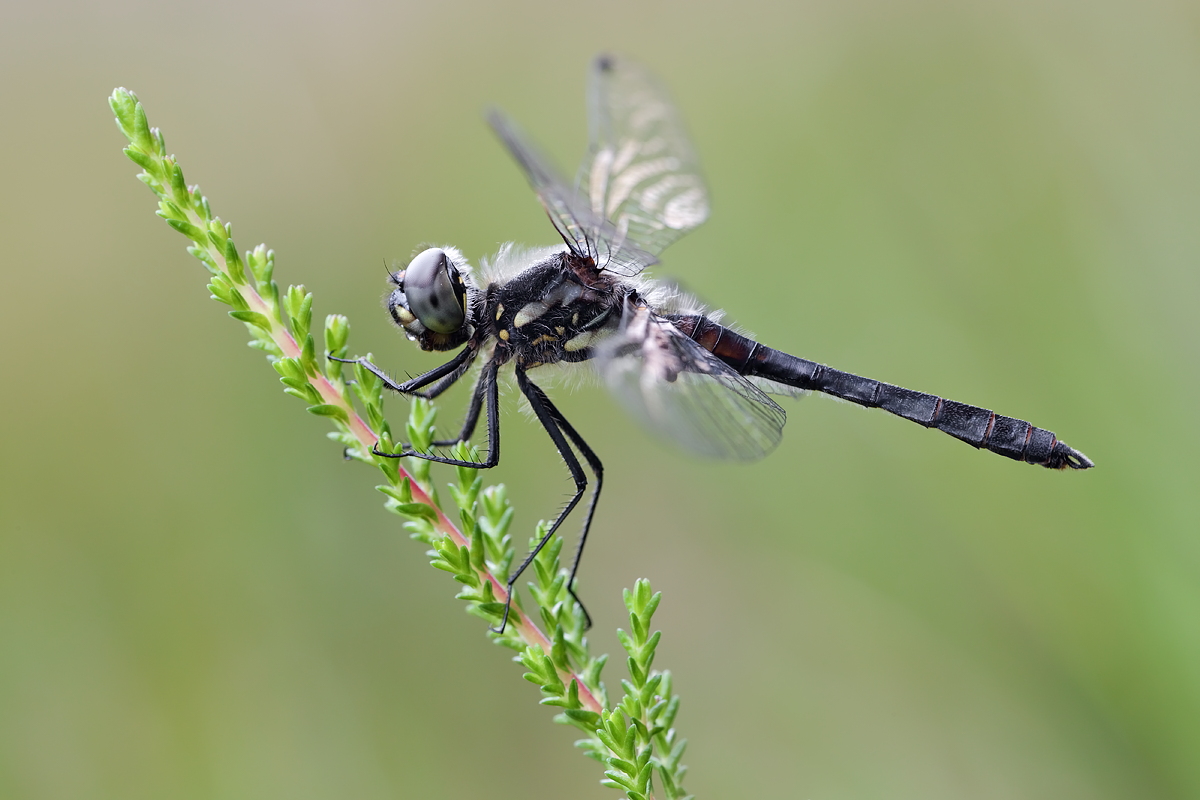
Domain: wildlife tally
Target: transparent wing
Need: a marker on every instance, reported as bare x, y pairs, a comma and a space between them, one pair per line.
641, 172
778, 389
589, 235
679, 390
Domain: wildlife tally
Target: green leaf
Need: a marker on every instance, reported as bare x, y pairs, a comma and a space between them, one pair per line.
290, 368
233, 263
187, 229
298, 303
615, 744
395, 493
142, 159
417, 510
589, 718
622, 782
555, 701
218, 234
477, 548
252, 318
236, 300
262, 264
308, 355
169, 211
337, 333
308, 394
329, 410
591, 675
558, 650
651, 605
175, 178
677, 752
200, 204
493, 609
646, 652
131, 118
205, 258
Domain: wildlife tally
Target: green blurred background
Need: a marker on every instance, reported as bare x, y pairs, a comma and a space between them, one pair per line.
995, 202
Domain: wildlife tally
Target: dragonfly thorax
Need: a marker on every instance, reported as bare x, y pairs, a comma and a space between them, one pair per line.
545, 314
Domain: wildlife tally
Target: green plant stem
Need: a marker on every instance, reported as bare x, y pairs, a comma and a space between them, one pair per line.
635, 739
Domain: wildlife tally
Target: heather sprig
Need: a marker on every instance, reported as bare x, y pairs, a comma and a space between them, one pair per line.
635, 738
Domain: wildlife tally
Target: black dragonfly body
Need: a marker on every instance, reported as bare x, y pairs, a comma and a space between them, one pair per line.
671, 363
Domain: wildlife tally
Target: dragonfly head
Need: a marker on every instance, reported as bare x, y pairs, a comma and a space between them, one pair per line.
430, 301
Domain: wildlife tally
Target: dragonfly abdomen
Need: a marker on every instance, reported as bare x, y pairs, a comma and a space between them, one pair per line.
978, 427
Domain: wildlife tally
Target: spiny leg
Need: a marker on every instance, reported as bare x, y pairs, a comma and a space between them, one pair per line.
455, 366
446, 376
541, 409
489, 389
469, 421
447, 373
597, 470
473, 409
449, 380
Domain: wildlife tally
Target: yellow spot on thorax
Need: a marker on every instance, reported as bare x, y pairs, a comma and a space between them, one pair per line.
579, 342
529, 313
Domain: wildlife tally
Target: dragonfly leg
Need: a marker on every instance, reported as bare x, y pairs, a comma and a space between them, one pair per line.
552, 421
598, 470
445, 376
489, 390
462, 365
470, 421
455, 367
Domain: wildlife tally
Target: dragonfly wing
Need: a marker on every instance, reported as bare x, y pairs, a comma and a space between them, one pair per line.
589, 235
641, 172
679, 390
778, 389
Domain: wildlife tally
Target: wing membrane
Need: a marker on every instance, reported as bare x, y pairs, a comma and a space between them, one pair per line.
641, 171
679, 390
639, 187
589, 235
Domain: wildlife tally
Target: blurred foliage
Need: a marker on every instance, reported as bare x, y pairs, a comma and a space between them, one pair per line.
997, 203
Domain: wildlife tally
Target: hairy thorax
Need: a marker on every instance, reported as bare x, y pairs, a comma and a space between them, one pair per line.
545, 314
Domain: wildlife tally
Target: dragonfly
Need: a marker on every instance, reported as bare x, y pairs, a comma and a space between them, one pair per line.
671, 362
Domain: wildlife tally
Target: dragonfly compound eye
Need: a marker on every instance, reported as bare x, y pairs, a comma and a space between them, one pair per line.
435, 291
